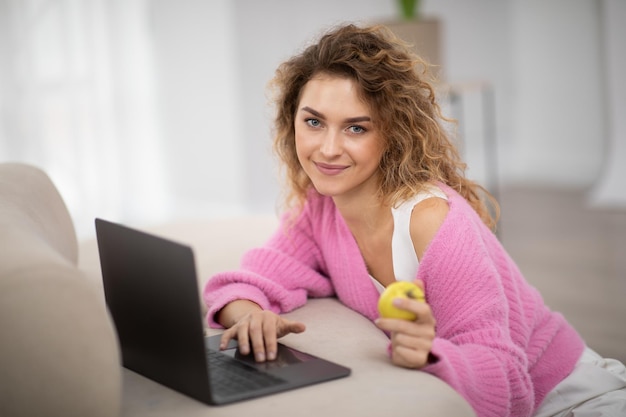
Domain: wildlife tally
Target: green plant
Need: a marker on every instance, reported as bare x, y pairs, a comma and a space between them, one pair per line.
409, 8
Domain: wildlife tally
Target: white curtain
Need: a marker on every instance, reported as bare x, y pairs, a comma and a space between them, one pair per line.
77, 98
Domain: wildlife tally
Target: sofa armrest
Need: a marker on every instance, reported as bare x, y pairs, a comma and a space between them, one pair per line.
59, 353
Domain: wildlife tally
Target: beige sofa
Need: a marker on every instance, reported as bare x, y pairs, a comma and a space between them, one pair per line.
59, 354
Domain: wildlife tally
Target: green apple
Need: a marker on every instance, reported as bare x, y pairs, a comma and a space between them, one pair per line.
399, 289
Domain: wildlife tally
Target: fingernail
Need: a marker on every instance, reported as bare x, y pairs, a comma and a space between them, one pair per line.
271, 356
260, 357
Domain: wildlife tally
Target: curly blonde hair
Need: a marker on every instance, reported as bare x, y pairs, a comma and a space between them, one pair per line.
397, 86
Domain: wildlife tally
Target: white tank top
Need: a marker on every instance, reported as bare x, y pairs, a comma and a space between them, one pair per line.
405, 262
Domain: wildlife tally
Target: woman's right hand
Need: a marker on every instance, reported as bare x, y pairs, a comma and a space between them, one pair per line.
255, 329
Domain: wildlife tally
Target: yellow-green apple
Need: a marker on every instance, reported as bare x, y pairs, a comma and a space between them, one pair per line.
399, 289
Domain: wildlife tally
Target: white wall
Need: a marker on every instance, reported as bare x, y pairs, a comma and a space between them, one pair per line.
610, 190
200, 118
558, 106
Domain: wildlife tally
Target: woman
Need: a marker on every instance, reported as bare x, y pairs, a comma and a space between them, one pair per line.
377, 193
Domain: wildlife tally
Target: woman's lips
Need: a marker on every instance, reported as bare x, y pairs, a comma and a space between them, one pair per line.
329, 169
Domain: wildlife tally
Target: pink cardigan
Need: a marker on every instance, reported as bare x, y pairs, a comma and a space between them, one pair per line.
498, 345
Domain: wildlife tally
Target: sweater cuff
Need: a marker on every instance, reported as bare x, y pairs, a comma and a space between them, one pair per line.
236, 291
481, 380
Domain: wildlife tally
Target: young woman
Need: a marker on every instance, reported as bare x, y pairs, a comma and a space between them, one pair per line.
377, 193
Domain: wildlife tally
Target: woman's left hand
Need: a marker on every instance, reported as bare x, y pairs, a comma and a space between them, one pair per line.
411, 341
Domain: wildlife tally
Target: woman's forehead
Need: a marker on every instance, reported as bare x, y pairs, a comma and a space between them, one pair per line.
334, 91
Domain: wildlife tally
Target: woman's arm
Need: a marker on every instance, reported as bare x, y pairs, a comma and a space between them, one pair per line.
272, 279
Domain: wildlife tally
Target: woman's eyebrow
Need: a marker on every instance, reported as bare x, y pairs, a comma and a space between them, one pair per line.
358, 119
348, 120
313, 112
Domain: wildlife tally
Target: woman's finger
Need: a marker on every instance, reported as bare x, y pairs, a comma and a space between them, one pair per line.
270, 336
243, 338
422, 310
257, 335
227, 336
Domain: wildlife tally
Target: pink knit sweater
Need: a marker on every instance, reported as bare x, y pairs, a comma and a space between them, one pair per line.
498, 345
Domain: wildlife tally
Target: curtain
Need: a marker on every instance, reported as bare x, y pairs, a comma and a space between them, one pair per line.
77, 99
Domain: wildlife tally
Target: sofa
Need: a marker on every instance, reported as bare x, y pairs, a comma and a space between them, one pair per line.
59, 354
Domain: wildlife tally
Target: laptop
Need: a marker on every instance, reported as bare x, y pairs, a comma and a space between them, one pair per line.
151, 291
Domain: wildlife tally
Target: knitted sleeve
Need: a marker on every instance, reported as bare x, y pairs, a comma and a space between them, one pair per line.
278, 276
481, 328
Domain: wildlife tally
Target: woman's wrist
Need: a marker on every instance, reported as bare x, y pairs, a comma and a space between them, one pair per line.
232, 312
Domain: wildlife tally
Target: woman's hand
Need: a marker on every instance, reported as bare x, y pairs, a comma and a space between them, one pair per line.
411, 341
258, 330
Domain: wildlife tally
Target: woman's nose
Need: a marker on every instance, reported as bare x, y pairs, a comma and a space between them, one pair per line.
331, 144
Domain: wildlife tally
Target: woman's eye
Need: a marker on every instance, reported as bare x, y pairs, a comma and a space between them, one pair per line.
356, 129
313, 122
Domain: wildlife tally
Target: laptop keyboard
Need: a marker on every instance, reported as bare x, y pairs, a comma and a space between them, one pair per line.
229, 376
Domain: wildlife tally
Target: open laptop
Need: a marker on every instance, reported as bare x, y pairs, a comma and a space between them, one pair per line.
151, 290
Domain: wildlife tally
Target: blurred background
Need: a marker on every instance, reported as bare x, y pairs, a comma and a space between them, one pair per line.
153, 111
144, 111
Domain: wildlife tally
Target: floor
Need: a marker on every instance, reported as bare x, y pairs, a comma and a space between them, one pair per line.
575, 255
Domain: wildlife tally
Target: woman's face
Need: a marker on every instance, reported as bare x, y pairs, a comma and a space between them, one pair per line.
337, 142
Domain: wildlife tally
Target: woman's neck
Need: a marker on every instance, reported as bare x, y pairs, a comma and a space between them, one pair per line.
364, 215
